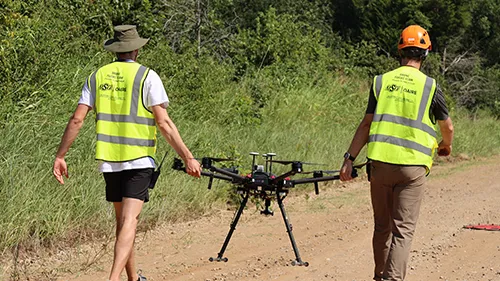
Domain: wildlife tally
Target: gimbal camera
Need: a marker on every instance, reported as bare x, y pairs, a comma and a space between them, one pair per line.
263, 184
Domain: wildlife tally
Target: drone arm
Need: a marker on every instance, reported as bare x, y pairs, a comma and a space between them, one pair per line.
212, 175
320, 179
178, 165
227, 174
314, 180
284, 176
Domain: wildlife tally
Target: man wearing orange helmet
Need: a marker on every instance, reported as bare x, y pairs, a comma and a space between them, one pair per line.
399, 127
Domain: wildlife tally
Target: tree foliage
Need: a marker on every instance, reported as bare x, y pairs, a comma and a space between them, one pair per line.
245, 38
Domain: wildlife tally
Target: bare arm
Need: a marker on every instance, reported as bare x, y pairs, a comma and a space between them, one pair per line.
361, 136
447, 132
72, 129
359, 140
171, 134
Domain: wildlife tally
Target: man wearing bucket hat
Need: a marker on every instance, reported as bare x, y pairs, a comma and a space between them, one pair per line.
399, 127
130, 101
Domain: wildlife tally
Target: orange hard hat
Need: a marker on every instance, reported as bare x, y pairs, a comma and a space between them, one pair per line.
415, 36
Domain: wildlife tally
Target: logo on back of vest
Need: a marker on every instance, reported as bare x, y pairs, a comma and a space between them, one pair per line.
409, 91
106, 87
109, 87
396, 88
393, 87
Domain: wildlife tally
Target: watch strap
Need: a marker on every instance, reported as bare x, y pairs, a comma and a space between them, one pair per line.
347, 155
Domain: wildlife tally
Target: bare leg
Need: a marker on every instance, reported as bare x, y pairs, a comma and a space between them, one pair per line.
130, 265
127, 216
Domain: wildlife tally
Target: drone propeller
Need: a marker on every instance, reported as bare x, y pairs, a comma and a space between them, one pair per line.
233, 169
215, 159
323, 171
287, 162
222, 159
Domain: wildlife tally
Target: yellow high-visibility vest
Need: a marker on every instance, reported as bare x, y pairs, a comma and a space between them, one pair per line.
126, 129
402, 131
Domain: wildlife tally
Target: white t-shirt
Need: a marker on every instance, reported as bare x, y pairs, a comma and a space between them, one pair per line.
153, 94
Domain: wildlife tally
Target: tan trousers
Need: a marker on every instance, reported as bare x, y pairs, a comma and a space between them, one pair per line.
396, 193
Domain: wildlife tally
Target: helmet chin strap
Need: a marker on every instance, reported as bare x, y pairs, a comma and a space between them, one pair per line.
424, 56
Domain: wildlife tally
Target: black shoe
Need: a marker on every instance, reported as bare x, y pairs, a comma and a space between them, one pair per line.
141, 278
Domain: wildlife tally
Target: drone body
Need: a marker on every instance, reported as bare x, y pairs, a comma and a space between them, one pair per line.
261, 183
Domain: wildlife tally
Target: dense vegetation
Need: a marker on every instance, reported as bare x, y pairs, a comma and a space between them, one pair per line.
285, 76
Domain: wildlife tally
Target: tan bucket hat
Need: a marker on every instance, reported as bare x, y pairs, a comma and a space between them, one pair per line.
126, 39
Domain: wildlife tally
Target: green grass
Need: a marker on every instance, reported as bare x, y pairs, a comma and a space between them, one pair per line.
476, 135
310, 122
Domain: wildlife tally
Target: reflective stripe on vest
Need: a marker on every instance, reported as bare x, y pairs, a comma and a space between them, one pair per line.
400, 142
401, 130
134, 134
378, 85
123, 140
417, 124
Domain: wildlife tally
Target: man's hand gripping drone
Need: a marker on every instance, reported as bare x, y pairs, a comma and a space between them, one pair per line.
262, 183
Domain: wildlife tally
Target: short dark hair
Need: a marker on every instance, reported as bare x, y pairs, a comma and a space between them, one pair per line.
124, 53
414, 53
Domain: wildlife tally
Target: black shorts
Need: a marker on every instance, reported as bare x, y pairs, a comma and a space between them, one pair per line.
128, 183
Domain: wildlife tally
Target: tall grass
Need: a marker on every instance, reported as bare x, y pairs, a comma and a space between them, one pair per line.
299, 124
477, 134
313, 122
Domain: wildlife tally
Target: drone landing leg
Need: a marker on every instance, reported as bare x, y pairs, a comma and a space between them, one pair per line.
298, 260
231, 230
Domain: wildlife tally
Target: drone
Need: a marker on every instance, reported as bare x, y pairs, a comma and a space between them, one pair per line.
261, 183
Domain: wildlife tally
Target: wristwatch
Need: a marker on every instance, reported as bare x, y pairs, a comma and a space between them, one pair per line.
348, 155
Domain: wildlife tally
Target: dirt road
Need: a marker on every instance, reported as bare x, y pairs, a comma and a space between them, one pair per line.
333, 233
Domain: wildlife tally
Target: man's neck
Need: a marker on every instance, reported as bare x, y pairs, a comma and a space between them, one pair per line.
125, 60
126, 57
413, 63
